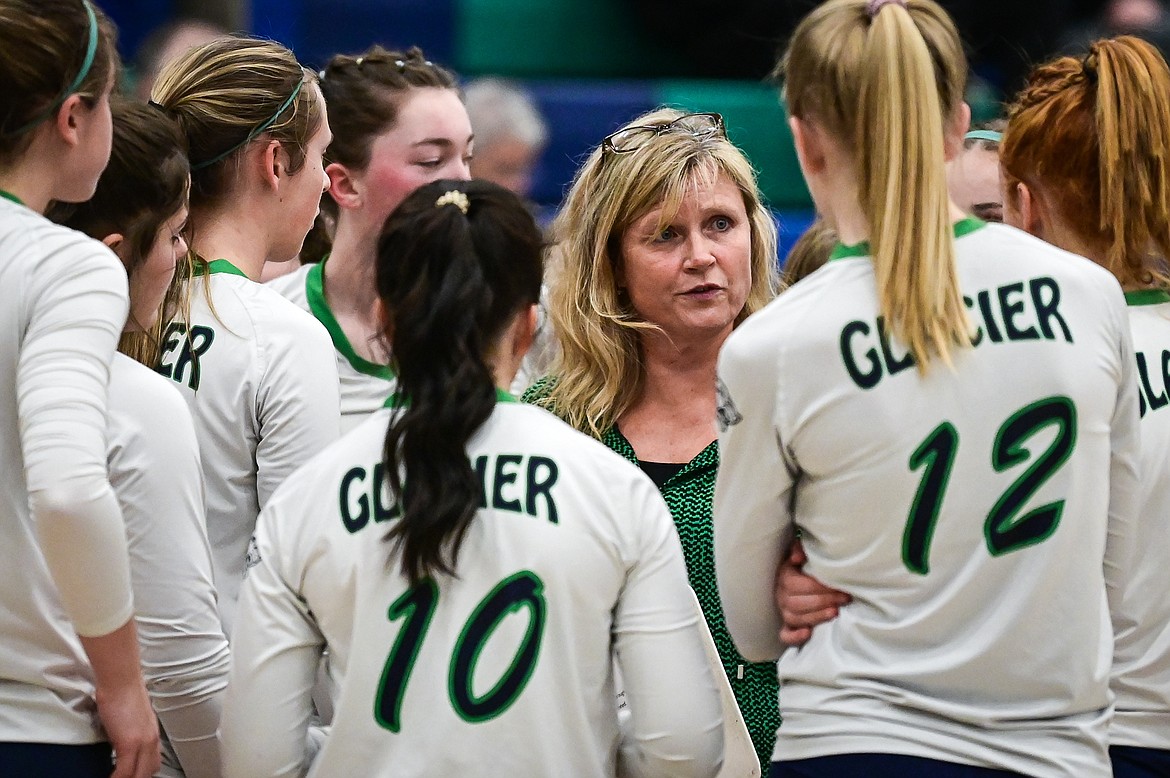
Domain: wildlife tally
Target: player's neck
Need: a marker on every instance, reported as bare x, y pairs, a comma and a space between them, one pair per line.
30, 182
220, 235
351, 277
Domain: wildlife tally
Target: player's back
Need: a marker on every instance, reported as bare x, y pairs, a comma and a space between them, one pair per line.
966, 511
259, 377
506, 668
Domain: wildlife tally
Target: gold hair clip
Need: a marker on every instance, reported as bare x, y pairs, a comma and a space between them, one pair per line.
455, 198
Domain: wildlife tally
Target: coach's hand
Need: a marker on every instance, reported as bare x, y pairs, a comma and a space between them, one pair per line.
803, 601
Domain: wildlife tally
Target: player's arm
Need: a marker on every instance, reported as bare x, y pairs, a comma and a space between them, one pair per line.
803, 601
1122, 542
276, 647
675, 727
185, 657
78, 308
299, 404
752, 514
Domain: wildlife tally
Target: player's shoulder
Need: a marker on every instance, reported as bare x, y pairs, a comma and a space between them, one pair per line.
292, 286
278, 322
144, 400
526, 427
40, 245
997, 247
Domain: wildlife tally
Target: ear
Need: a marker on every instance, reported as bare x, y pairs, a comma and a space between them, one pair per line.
955, 131
345, 189
810, 146
1033, 216
117, 243
382, 317
525, 332
69, 118
274, 164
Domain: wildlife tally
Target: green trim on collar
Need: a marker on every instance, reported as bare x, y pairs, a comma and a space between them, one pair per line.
395, 400
12, 197
315, 292
962, 228
1147, 297
220, 267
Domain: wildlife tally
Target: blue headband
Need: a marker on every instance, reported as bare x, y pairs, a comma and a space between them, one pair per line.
259, 129
86, 66
991, 136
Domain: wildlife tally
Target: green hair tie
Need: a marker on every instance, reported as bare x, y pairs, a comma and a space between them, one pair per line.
86, 66
259, 129
991, 136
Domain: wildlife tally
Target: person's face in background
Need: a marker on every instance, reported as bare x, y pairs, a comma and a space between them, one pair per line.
506, 161
974, 183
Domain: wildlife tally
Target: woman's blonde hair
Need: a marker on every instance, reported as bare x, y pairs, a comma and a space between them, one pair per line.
599, 371
884, 84
1096, 132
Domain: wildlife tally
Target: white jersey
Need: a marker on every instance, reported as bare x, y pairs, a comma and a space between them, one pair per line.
968, 511
63, 551
365, 385
573, 559
259, 378
155, 471
1141, 661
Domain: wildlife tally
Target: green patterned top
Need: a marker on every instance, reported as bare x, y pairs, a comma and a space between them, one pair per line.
689, 495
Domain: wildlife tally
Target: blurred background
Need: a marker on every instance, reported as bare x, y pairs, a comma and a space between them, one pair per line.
590, 65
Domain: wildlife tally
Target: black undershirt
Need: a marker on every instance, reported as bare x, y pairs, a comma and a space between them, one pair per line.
660, 472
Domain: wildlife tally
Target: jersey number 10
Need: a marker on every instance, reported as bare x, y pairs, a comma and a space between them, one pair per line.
1004, 529
523, 590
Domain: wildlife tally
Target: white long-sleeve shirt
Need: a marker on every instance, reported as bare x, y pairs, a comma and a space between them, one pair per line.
259, 377
574, 561
1141, 660
978, 515
155, 471
63, 553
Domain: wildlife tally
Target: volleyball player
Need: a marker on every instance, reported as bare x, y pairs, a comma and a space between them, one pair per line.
947, 412
1087, 166
70, 684
139, 210
473, 564
399, 123
257, 372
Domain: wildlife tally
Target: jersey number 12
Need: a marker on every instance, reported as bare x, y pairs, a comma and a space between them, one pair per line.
523, 590
1004, 529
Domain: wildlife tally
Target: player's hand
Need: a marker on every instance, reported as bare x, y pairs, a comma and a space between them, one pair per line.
802, 600
131, 725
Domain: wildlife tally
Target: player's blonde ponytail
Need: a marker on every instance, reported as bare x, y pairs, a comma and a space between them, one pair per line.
884, 78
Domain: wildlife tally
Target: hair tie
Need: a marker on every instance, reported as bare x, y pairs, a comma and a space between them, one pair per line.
1089, 70
873, 6
991, 136
400, 65
455, 198
259, 129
